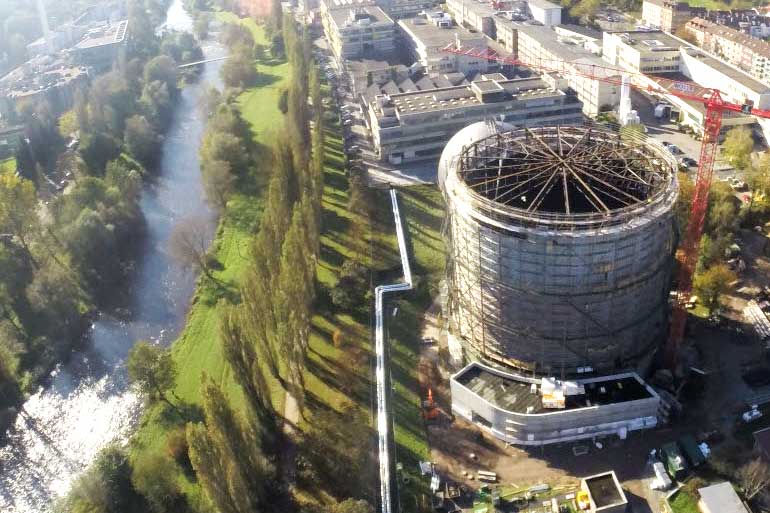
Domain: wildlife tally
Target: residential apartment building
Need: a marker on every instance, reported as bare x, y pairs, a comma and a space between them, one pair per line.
427, 36
570, 55
642, 52
666, 15
747, 53
357, 30
416, 125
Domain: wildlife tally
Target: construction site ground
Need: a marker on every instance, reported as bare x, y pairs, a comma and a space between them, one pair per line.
459, 449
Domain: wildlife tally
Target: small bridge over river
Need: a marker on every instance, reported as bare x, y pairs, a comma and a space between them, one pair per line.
197, 63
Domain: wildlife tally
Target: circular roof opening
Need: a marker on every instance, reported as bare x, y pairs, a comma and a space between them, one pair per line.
566, 171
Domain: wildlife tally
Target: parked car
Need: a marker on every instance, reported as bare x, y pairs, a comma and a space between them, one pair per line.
688, 162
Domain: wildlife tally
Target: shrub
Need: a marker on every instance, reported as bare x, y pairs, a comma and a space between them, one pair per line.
177, 449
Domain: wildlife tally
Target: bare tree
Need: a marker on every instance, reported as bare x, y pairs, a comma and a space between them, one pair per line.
189, 243
754, 477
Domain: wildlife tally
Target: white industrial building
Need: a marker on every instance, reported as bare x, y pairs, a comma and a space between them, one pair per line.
539, 411
427, 36
545, 12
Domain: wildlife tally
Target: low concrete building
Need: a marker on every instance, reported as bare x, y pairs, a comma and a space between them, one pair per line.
519, 410
604, 493
415, 126
643, 51
720, 498
426, 37
570, 54
357, 30
42, 78
474, 15
545, 12
100, 46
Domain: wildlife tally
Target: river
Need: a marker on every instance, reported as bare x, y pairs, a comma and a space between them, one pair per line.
87, 402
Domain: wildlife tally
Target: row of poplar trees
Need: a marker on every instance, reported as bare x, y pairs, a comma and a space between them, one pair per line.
265, 336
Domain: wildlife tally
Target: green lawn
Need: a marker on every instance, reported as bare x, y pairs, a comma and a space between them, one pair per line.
422, 208
8, 165
197, 350
683, 502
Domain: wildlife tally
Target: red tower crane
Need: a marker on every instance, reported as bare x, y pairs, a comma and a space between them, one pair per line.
715, 107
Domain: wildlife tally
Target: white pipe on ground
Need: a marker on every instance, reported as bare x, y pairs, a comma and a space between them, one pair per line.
379, 347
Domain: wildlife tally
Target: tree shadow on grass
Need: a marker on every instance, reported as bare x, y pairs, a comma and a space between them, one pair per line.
266, 79
217, 290
186, 412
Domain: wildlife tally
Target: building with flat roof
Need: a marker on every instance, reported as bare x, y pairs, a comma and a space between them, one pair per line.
543, 46
720, 498
736, 85
357, 30
667, 15
545, 12
475, 15
413, 126
604, 493
747, 53
99, 46
642, 51
427, 36
539, 411
43, 78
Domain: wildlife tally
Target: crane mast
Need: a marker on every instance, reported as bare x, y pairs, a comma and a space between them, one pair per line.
689, 249
687, 255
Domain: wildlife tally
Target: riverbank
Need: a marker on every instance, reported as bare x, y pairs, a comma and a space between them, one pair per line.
198, 350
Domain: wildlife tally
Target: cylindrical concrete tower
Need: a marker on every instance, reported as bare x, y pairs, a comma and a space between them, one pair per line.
560, 245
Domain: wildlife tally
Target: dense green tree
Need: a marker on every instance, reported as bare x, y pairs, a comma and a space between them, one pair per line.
737, 147
218, 182
142, 141
55, 297
162, 69
224, 146
712, 283
142, 40
239, 70
112, 101
227, 456
93, 247
97, 149
201, 25
152, 369
155, 477
155, 103
352, 286
105, 487
237, 37
248, 357
18, 211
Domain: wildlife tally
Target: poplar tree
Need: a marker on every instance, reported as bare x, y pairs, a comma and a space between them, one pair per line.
227, 456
